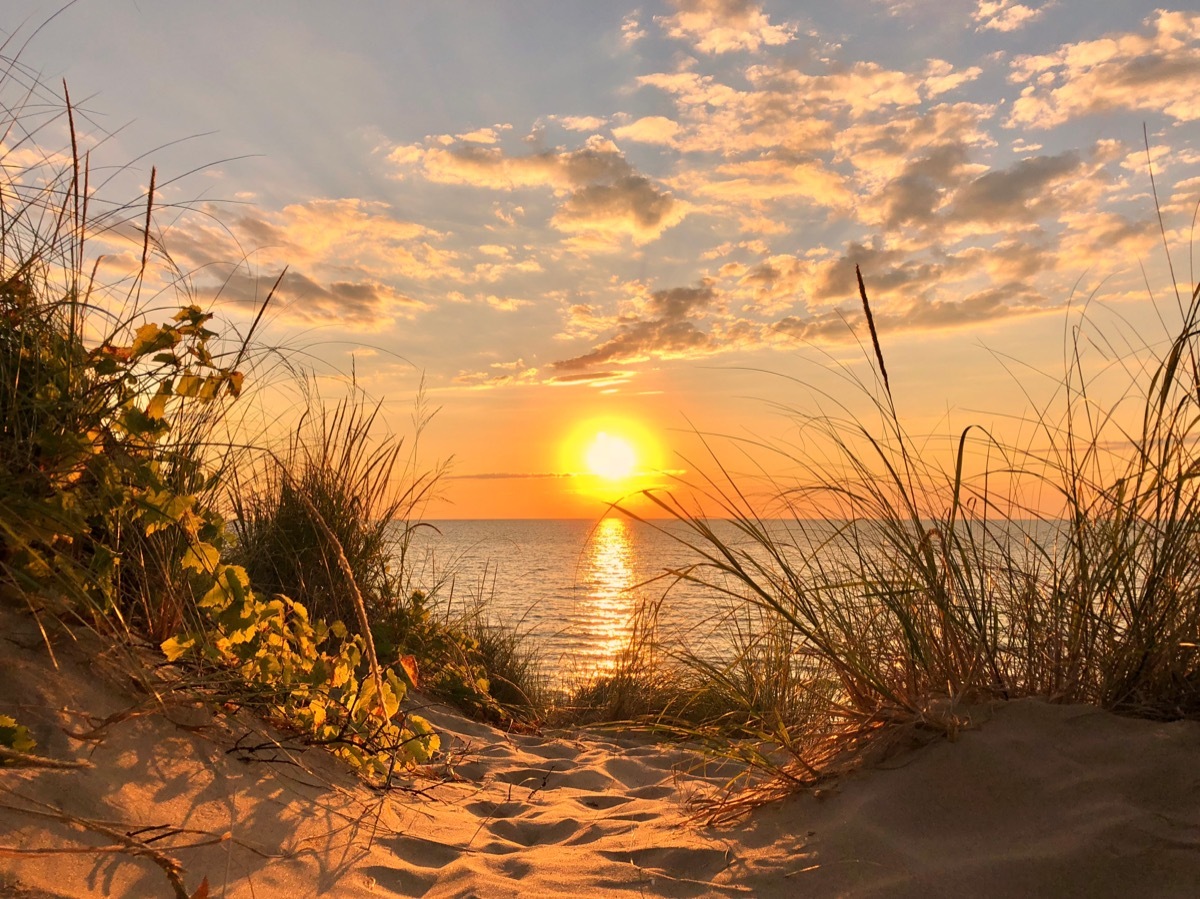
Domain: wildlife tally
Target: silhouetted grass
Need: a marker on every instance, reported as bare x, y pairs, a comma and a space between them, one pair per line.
929, 588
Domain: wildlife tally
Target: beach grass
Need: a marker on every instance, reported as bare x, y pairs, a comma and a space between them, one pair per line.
930, 585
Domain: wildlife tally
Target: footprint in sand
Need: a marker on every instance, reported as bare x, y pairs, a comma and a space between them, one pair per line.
531, 832
700, 863
422, 853
654, 791
530, 778
489, 810
602, 801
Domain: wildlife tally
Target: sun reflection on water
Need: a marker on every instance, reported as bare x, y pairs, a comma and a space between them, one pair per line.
606, 602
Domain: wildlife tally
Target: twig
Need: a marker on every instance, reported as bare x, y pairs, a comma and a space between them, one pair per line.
16, 759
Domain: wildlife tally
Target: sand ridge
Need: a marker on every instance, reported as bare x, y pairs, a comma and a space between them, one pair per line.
1038, 799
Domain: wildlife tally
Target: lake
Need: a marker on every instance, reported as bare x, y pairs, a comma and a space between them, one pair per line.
571, 585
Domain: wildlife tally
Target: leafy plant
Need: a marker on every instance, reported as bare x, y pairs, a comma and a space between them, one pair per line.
15, 736
305, 674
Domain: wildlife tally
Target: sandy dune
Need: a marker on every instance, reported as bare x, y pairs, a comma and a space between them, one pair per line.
1036, 799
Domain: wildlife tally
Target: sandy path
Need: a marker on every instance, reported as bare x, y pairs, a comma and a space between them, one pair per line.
1037, 800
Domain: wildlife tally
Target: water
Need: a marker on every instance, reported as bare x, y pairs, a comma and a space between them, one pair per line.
572, 586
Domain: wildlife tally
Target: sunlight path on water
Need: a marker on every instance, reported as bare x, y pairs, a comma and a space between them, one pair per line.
605, 608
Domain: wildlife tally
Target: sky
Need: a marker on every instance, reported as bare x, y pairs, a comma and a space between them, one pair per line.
556, 220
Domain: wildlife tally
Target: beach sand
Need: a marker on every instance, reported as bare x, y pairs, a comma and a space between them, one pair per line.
1033, 799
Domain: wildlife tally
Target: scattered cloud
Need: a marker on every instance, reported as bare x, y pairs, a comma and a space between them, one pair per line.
723, 26
1005, 15
580, 122
506, 304
357, 305
663, 330
631, 29
655, 129
1021, 193
603, 200
345, 259
592, 379
1157, 71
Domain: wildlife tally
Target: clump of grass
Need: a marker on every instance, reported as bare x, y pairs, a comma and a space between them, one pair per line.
516, 678
337, 487
923, 589
328, 520
638, 689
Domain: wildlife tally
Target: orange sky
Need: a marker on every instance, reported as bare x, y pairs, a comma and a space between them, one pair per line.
559, 218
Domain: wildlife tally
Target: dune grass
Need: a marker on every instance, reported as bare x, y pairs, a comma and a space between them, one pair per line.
928, 587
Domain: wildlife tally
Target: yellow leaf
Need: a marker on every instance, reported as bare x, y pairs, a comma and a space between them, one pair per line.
157, 409
187, 313
188, 385
201, 557
217, 597
235, 383
174, 648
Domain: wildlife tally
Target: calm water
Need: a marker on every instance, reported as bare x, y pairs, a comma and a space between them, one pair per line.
573, 586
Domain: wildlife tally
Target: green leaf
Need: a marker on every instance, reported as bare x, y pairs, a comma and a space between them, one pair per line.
15, 736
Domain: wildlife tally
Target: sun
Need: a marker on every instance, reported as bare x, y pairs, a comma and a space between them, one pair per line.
611, 457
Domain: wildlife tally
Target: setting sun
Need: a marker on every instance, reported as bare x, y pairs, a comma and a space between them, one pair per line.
611, 457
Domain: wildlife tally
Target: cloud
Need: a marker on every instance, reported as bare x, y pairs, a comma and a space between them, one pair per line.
1005, 15
357, 305
663, 330
1157, 72
631, 30
346, 259
722, 26
603, 199
631, 205
918, 192
782, 110
1021, 193
506, 304
595, 378
580, 122
484, 135
655, 129
774, 177
500, 374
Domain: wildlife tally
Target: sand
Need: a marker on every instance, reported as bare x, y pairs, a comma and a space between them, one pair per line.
1033, 799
